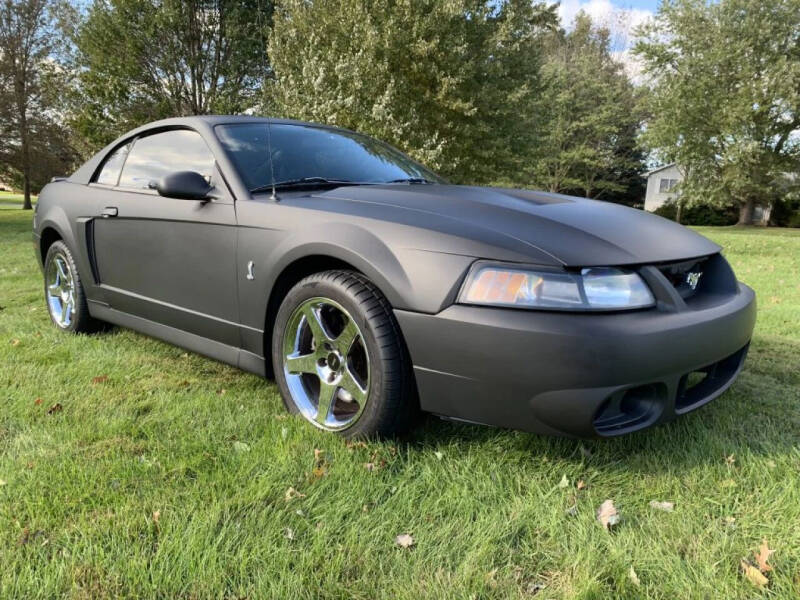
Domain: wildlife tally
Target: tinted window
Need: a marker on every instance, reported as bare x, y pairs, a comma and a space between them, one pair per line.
109, 174
156, 155
305, 151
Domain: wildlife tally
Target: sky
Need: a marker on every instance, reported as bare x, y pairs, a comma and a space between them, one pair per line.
622, 15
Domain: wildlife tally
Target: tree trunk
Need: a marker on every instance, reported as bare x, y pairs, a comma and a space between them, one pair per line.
746, 212
26, 165
678, 212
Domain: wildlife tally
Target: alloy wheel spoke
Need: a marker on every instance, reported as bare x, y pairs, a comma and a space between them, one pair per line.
305, 363
315, 324
327, 393
54, 289
347, 337
352, 386
62, 271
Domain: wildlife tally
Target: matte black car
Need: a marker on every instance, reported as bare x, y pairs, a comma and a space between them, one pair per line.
370, 288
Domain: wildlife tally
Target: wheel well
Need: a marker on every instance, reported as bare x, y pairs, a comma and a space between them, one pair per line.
293, 273
49, 235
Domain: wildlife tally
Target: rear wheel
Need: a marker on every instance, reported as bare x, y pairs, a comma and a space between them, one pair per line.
339, 359
63, 290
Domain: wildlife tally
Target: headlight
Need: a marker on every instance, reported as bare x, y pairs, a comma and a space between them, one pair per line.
595, 288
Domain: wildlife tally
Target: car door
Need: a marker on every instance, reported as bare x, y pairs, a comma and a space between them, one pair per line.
167, 260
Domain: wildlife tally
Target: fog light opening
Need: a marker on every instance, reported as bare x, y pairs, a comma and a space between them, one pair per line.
631, 409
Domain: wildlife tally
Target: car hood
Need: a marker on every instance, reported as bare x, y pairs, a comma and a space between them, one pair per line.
569, 230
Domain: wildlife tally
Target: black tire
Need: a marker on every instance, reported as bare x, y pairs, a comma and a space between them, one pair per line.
79, 321
390, 405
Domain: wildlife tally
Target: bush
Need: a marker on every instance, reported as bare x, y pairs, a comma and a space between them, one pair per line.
699, 214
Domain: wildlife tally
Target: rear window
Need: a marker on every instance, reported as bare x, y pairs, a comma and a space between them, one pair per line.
109, 173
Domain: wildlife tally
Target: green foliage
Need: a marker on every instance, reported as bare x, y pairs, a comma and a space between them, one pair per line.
588, 117
141, 60
449, 81
726, 99
698, 214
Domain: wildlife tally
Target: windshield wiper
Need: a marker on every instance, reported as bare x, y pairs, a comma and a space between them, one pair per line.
303, 181
411, 180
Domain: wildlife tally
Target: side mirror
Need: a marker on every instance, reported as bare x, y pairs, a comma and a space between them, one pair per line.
184, 185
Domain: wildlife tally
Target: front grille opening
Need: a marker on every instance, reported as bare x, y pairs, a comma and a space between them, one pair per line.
703, 385
686, 277
631, 409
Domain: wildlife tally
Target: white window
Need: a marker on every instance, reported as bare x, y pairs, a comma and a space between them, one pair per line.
666, 185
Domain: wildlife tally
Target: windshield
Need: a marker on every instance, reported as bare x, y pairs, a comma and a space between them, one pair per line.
303, 151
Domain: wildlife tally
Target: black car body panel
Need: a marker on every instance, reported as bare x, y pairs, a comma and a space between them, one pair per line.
203, 274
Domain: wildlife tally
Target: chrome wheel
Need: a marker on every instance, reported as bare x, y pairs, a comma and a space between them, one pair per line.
60, 290
326, 364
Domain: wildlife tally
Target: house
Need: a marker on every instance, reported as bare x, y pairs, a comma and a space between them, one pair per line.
661, 187
661, 184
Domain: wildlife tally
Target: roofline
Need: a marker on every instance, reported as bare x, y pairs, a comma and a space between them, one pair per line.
657, 169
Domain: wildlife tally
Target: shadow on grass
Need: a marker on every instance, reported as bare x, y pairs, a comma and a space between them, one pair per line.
759, 415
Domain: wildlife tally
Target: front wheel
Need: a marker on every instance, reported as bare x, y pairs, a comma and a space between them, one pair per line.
339, 359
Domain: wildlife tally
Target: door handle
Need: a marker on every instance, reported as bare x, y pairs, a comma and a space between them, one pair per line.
109, 211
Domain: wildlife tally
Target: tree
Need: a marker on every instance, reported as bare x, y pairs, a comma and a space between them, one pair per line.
141, 60
726, 99
29, 76
588, 117
448, 81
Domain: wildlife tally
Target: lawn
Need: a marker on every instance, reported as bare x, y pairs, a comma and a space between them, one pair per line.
132, 469
12, 200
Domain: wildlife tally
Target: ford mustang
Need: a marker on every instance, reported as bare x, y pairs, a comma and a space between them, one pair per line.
372, 289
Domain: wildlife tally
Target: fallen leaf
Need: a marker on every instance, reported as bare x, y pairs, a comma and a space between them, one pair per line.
185, 355
581, 485
99, 379
764, 552
241, 447
730, 459
55, 408
564, 482
607, 514
534, 588
292, 493
352, 445
15, 342
753, 575
490, 580
2, 482
369, 466
288, 533
665, 506
404, 540
439, 455
38, 401
634, 577
318, 455
156, 516
318, 472
221, 392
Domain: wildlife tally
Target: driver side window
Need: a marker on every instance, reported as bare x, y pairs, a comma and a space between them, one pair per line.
159, 154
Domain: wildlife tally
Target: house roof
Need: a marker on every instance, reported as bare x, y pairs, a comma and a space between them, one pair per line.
657, 169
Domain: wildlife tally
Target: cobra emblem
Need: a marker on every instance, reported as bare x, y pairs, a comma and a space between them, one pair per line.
693, 279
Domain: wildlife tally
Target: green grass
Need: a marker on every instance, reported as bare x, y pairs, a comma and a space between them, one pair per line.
13, 200
210, 449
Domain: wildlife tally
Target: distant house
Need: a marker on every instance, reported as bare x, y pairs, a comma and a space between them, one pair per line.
661, 188
661, 184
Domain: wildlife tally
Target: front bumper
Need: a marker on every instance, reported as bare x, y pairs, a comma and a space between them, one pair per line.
578, 374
